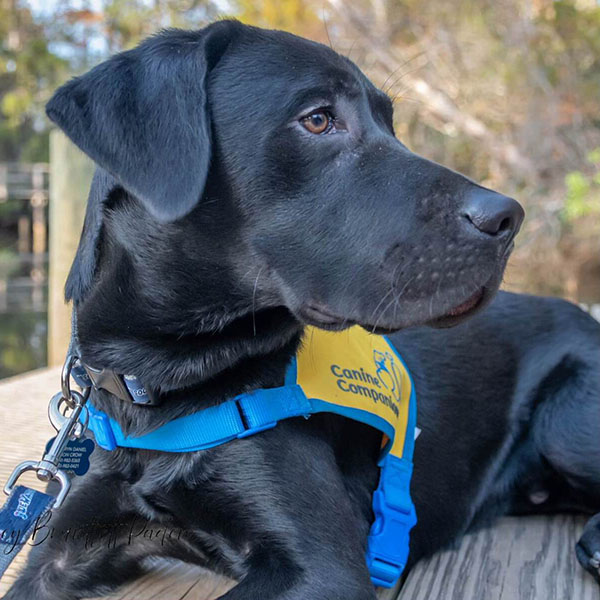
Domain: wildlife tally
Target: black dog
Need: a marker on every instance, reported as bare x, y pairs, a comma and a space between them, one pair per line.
250, 183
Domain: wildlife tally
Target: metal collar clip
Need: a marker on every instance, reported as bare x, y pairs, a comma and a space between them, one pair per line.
69, 416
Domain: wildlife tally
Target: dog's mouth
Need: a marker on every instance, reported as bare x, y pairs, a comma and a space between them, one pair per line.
463, 310
464, 307
321, 316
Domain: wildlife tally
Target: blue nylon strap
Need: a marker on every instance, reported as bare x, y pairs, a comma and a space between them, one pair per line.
389, 539
238, 418
18, 519
409, 439
213, 426
218, 425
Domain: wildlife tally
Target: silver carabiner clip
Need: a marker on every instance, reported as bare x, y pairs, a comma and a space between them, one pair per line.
67, 428
34, 465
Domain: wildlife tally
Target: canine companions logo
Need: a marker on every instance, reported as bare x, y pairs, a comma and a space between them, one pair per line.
24, 501
382, 385
388, 373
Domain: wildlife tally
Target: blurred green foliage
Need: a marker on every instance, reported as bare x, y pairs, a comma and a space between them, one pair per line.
28, 72
9, 263
583, 190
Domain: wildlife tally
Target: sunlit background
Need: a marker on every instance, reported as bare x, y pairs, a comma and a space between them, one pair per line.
506, 91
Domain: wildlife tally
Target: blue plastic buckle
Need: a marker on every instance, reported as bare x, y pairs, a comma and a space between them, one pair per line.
99, 423
395, 516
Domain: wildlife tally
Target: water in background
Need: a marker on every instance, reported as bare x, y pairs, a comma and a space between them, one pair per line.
23, 267
23, 320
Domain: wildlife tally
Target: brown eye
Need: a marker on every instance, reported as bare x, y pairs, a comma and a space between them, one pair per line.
317, 122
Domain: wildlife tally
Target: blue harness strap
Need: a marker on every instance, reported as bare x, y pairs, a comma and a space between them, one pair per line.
389, 539
241, 417
251, 413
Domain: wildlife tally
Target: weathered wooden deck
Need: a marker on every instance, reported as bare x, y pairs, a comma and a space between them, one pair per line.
519, 559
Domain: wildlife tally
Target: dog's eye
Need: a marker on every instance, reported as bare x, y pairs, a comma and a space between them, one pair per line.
318, 122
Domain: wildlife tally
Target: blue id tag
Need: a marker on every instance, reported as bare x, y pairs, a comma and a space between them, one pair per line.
76, 456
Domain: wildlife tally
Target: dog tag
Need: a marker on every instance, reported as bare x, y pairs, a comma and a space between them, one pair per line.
76, 457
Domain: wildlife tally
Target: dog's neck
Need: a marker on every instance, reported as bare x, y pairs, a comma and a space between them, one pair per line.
179, 320
191, 372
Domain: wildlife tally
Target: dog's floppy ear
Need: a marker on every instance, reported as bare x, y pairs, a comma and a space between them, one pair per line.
143, 116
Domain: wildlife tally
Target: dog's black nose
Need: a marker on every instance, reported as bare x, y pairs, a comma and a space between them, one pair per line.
493, 213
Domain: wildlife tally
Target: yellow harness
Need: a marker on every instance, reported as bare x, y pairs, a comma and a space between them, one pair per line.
357, 371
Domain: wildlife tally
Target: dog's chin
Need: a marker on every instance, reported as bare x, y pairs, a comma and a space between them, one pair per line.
321, 316
465, 310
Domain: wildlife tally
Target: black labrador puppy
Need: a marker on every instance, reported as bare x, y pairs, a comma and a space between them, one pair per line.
249, 183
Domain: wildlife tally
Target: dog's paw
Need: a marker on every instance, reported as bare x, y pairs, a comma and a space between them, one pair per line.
588, 547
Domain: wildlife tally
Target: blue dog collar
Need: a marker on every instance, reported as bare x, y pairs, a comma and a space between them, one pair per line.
251, 413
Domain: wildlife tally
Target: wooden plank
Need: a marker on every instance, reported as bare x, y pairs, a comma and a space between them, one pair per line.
24, 431
529, 558
174, 581
391, 594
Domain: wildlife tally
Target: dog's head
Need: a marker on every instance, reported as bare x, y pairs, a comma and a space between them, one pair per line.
244, 169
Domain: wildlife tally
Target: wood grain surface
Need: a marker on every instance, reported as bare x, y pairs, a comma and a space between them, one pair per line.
518, 559
529, 558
